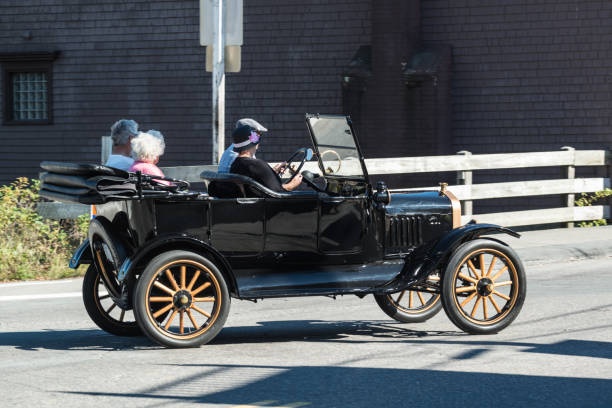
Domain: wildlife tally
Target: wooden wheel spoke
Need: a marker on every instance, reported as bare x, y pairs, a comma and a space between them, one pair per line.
465, 302
421, 298
204, 299
183, 277
504, 283
491, 266
410, 299
160, 299
501, 295
162, 310
399, 298
182, 322
104, 297
482, 264
200, 288
193, 280
495, 304
171, 279
164, 288
122, 315
465, 289
468, 278
111, 308
170, 319
197, 309
195, 325
498, 274
475, 309
472, 268
484, 307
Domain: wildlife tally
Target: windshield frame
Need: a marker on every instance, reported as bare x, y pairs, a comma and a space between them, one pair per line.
366, 178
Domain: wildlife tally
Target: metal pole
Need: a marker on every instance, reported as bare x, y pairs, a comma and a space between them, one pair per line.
218, 83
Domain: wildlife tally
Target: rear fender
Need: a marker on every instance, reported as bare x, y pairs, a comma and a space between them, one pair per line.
175, 241
427, 259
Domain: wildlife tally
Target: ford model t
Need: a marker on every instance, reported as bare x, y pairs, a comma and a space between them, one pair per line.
166, 261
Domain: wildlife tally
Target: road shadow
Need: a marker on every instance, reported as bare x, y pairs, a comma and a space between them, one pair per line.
349, 332
320, 386
72, 340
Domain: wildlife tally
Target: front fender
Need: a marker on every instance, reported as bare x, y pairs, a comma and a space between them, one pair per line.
82, 255
427, 259
170, 242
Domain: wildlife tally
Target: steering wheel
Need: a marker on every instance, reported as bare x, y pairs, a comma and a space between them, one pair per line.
329, 170
307, 155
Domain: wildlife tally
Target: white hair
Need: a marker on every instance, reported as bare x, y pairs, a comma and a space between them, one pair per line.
146, 147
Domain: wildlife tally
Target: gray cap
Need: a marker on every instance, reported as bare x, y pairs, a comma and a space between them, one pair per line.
252, 123
122, 130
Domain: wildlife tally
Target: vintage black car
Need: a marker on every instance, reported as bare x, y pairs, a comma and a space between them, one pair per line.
166, 260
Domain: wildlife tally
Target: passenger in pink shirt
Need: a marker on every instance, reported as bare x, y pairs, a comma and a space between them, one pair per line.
146, 150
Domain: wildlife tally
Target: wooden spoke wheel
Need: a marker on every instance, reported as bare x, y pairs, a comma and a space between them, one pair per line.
411, 306
484, 287
181, 300
101, 308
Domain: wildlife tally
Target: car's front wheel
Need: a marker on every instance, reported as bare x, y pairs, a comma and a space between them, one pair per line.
483, 287
181, 299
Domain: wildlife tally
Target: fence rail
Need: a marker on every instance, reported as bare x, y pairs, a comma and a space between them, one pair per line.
464, 164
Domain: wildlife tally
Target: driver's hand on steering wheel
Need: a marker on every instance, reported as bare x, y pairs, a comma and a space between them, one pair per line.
280, 168
292, 185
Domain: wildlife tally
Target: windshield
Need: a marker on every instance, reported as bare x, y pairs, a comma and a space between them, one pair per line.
336, 149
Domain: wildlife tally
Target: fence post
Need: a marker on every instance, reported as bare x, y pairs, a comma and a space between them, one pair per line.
464, 177
569, 172
608, 168
107, 148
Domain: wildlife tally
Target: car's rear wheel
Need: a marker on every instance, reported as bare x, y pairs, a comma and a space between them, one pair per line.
101, 308
181, 299
411, 306
483, 287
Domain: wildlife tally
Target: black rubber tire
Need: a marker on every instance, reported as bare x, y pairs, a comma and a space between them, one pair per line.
153, 327
404, 314
458, 313
97, 312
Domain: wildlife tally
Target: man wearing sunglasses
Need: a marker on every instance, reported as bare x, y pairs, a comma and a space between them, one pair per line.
246, 141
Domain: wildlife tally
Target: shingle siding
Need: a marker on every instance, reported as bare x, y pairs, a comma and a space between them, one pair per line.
142, 60
525, 76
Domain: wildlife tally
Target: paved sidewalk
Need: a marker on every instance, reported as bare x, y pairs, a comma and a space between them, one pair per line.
563, 244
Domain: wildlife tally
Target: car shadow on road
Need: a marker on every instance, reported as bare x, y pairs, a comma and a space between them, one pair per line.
323, 330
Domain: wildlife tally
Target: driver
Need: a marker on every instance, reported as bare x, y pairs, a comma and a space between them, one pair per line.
246, 142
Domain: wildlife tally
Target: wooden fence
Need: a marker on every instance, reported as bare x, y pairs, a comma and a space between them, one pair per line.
464, 164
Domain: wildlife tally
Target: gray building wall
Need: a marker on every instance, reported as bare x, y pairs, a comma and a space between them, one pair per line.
526, 75
142, 60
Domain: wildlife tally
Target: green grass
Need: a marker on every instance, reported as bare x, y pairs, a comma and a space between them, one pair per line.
32, 247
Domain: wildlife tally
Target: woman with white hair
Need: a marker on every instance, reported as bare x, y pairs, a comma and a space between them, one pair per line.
146, 150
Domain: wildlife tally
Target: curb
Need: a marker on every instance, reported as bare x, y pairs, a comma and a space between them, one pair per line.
564, 253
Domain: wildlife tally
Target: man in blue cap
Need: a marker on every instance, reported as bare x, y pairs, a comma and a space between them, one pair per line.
229, 155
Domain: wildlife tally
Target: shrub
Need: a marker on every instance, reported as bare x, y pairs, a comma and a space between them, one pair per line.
32, 247
586, 200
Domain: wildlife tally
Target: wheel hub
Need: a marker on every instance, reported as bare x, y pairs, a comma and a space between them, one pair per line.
485, 287
182, 299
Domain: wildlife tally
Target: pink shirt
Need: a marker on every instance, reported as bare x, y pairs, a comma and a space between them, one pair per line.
148, 168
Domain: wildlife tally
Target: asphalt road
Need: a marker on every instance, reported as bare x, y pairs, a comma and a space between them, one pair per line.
318, 352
